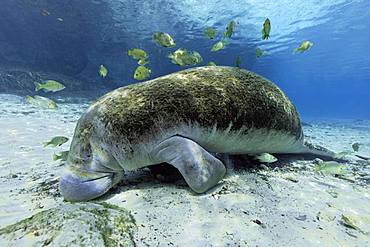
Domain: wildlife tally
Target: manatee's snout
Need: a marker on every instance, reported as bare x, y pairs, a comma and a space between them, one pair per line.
84, 185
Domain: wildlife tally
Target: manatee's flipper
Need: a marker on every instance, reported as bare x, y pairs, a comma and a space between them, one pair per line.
82, 185
199, 168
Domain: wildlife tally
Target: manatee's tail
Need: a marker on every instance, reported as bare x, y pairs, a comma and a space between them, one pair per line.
317, 150
324, 152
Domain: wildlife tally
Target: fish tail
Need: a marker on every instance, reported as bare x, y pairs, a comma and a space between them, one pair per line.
38, 86
46, 144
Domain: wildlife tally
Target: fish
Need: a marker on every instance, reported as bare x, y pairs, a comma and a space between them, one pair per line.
60, 19
266, 29
342, 154
56, 141
230, 29
210, 33
330, 168
305, 46
266, 158
103, 71
259, 52
183, 57
211, 64
142, 73
42, 102
63, 156
164, 39
49, 86
219, 45
238, 62
44, 12
137, 54
356, 146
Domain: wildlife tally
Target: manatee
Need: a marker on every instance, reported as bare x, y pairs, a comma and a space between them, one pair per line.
182, 119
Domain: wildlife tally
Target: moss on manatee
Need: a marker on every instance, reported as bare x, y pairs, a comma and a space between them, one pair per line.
207, 95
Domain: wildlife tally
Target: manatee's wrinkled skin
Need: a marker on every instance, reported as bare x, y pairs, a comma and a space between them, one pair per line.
180, 119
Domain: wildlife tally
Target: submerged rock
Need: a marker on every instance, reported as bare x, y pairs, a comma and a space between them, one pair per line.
78, 224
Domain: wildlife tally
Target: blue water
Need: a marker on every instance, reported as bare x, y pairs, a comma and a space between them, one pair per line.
332, 80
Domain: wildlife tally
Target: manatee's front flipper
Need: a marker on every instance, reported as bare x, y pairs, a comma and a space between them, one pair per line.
198, 167
80, 185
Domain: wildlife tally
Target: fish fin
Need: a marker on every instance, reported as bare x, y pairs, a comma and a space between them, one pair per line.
46, 144
38, 86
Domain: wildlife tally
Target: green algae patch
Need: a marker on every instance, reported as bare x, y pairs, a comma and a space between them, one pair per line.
73, 224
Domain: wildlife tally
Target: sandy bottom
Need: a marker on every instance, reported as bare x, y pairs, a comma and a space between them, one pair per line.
288, 203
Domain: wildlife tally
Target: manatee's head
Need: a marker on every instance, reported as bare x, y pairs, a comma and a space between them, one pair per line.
85, 176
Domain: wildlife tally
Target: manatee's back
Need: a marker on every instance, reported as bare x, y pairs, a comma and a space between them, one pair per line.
209, 96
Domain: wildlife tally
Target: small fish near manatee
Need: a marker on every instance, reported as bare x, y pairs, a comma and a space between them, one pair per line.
183, 57
356, 146
219, 45
266, 29
137, 54
266, 158
305, 46
56, 141
63, 156
210, 33
164, 39
230, 29
41, 102
142, 73
168, 120
49, 86
103, 71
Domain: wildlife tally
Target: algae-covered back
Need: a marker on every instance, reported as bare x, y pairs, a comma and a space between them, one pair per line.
78, 224
208, 96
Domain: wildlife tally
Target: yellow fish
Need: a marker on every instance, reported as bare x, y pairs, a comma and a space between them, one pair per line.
103, 71
49, 86
61, 156
230, 29
210, 33
305, 46
266, 29
137, 54
43, 102
219, 45
266, 158
183, 57
56, 141
142, 73
164, 39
